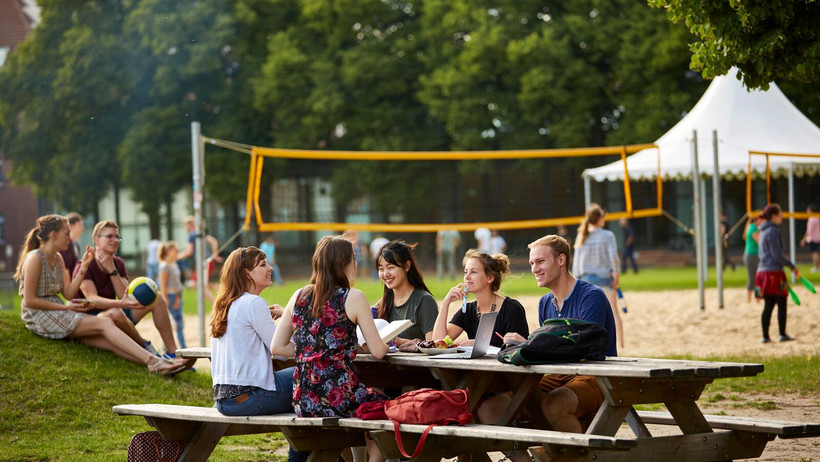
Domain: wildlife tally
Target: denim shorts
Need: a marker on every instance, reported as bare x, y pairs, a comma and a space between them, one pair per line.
604, 283
260, 401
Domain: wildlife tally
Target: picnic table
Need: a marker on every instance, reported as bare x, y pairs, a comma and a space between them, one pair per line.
626, 382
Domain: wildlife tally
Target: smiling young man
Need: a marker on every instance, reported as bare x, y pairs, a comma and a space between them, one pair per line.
569, 400
106, 283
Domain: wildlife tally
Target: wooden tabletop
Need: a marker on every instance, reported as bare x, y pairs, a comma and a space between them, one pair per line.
610, 367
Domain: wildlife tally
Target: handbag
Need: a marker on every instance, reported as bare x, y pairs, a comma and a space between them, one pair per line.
150, 447
427, 406
372, 410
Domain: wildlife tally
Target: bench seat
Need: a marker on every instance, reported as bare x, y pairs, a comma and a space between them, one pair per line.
211, 414
780, 428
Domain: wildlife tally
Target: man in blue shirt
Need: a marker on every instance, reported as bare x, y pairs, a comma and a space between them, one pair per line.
570, 401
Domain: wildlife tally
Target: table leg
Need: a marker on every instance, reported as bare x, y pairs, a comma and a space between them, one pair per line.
522, 394
688, 416
204, 442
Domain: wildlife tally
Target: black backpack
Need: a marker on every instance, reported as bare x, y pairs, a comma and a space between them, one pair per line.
559, 340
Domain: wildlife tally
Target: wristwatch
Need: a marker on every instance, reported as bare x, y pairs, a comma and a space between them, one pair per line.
114, 272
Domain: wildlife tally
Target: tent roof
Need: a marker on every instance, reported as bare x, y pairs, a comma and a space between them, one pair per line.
754, 120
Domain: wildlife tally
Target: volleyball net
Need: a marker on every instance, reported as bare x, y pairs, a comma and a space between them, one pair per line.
405, 191
782, 163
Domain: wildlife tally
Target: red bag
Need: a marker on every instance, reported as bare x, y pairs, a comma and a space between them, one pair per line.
150, 447
372, 410
428, 406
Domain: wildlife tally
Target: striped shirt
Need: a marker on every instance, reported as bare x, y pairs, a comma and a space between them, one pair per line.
598, 255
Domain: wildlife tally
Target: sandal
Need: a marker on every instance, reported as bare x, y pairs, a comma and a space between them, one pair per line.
166, 367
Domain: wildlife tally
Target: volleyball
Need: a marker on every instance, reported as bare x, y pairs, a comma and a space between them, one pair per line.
143, 290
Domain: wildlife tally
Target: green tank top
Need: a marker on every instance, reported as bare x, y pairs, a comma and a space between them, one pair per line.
751, 243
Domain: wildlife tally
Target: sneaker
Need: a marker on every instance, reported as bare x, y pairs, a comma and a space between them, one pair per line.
786, 338
765, 340
167, 355
150, 348
814, 270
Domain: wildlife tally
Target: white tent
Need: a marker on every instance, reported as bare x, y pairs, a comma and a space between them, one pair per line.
756, 120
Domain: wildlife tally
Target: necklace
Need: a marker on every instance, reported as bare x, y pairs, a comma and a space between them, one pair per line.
478, 311
404, 298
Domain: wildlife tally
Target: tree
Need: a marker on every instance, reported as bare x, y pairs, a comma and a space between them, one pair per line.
766, 41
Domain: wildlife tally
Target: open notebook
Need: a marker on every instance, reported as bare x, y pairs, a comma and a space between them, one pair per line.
387, 330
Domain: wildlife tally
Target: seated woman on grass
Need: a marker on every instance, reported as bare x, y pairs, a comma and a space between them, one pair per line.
43, 276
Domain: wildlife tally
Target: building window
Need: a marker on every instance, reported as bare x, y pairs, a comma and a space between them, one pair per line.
4, 52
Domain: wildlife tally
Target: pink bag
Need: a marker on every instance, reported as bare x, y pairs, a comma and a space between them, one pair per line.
150, 447
428, 406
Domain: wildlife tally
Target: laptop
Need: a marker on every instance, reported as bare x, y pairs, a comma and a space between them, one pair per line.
482, 339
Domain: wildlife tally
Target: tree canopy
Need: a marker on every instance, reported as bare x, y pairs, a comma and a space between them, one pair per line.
102, 93
766, 41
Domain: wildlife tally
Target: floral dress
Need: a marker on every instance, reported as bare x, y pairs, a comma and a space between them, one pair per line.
325, 384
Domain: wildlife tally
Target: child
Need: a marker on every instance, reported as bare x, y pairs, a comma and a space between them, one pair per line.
170, 285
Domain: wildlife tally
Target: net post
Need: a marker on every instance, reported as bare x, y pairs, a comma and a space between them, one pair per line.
197, 149
696, 190
716, 196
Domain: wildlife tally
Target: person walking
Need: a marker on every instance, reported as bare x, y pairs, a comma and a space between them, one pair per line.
750, 254
447, 242
170, 286
771, 279
812, 238
596, 259
629, 246
269, 247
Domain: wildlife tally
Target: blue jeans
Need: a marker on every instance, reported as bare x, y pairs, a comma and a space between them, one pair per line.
604, 283
265, 402
179, 318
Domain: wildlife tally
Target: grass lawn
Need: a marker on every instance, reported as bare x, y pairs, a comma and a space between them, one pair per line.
56, 398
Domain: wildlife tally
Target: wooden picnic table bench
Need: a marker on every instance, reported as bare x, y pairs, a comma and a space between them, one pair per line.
626, 382
205, 426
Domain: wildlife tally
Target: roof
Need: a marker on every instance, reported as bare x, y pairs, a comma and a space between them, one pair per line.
744, 120
15, 25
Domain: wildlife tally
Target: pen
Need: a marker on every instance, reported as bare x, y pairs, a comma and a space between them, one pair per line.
499, 336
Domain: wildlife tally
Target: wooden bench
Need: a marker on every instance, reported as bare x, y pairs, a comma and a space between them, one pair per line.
205, 426
451, 440
779, 428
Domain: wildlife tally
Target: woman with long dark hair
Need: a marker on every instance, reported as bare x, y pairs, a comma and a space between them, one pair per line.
596, 259
42, 276
406, 296
321, 320
770, 279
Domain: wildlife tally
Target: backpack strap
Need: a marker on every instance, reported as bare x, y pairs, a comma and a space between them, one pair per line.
419, 447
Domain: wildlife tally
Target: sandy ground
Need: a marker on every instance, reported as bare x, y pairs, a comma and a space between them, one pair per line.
669, 323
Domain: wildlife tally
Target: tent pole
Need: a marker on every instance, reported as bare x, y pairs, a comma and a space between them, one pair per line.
587, 192
197, 148
716, 199
792, 251
697, 217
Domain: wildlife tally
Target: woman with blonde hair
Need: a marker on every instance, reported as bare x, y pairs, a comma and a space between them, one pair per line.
596, 259
42, 276
483, 274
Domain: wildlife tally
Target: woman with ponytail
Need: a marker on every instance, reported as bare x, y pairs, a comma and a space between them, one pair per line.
596, 259
770, 280
42, 276
406, 296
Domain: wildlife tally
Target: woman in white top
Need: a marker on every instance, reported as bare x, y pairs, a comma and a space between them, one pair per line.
241, 331
596, 259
